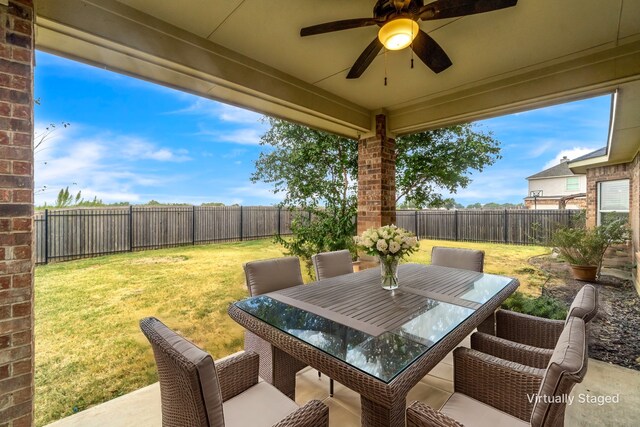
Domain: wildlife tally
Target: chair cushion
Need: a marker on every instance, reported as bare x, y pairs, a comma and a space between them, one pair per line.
260, 405
585, 304
209, 386
470, 412
272, 275
331, 264
567, 366
466, 259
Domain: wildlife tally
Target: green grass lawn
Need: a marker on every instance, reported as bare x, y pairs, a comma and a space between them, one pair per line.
89, 348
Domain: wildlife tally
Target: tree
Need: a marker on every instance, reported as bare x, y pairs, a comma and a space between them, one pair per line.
442, 159
317, 172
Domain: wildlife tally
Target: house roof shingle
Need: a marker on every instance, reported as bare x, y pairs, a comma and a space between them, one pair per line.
561, 169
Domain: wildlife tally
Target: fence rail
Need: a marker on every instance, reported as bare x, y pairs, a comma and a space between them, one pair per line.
65, 234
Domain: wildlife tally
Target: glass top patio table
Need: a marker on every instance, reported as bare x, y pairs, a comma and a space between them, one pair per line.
419, 318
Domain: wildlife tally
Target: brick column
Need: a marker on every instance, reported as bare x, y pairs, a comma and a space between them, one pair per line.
376, 178
16, 212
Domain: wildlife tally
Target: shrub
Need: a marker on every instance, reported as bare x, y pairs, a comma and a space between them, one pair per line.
543, 306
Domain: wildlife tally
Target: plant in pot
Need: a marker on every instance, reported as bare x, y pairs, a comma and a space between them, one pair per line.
584, 248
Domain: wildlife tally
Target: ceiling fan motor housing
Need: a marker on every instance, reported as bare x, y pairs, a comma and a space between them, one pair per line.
389, 9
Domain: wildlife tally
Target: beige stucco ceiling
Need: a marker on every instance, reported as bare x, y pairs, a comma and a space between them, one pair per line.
249, 53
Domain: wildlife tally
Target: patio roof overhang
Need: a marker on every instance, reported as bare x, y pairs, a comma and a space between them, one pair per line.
249, 53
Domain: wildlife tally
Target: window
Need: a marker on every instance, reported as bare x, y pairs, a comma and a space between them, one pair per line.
573, 183
613, 200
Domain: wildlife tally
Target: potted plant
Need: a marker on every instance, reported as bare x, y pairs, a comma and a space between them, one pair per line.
584, 248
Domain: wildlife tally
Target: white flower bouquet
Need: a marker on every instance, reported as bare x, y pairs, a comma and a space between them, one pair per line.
390, 244
388, 241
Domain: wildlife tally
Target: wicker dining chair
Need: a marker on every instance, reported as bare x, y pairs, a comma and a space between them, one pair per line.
196, 392
537, 331
466, 259
262, 277
490, 391
332, 264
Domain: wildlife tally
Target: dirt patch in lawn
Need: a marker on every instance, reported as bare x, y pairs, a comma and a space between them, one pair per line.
615, 331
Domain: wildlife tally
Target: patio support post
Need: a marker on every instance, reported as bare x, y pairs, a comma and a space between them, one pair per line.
376, 178
16, 212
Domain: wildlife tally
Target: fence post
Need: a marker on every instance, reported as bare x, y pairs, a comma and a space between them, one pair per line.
46, 236
506, 226
130, 228
241, 223
415, 221
455, 223
279, 219
193, 225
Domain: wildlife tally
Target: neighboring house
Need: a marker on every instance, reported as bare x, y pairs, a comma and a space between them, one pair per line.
557, 188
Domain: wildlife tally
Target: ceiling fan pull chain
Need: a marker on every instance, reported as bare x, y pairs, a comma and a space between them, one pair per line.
385, 67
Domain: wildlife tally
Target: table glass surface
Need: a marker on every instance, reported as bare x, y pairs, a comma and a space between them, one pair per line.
485, 287
383, 356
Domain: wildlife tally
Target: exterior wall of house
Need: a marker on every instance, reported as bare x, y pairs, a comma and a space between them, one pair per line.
630, 171
554, 203
556, 186
16, 212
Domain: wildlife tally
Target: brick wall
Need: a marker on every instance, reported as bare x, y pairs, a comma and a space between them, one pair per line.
376, 179
577, 203
16, 210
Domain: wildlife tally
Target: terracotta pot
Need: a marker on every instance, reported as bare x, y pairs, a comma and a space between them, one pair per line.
584, 272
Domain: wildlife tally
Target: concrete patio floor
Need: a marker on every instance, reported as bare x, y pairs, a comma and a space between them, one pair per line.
141, 408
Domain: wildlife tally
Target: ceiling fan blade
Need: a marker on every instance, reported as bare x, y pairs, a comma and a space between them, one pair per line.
430, 52
442, 9
365, 59
328, 27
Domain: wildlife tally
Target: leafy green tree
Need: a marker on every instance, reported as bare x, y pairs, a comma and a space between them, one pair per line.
212, 204
475, 206
318, 172
441, 160
315, 171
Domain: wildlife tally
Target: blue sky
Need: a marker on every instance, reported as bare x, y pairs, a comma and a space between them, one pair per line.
134, 141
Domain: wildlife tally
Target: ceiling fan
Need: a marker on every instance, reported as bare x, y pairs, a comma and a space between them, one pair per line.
398, 22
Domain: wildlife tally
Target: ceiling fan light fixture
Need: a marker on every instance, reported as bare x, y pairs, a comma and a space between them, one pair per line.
398, 33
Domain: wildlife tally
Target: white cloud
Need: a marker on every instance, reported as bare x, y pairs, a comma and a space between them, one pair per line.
571, 153
100, 165
244, 136
220, 111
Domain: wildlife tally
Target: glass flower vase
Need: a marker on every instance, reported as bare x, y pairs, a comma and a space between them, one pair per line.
389, 273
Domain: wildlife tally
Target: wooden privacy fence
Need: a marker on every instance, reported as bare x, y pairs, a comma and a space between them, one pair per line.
64, 234
516, 226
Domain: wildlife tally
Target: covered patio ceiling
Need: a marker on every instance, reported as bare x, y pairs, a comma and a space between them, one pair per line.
249, 53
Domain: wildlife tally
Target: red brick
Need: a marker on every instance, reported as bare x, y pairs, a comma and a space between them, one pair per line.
20, 83
5, 167
21, 310
19, 266
22, 280
22, 196
22, 395
27, 420
4, 372
21, 111
21, 168
22, 26
21, 224
4, 138
21, 367
5, 195
21, 338
5, 341
5, 312
3, 253
22, 139
5, 282
22, 252
5, 107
